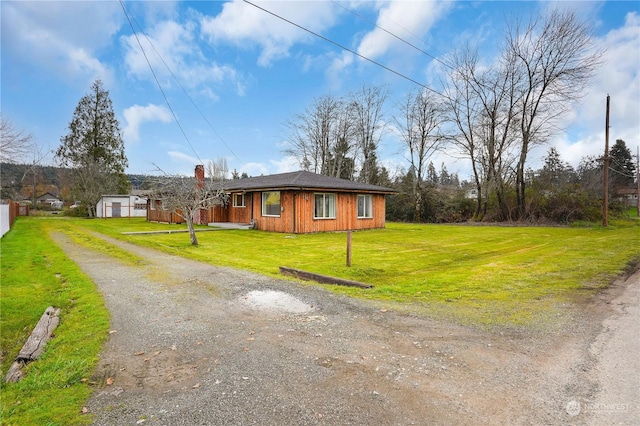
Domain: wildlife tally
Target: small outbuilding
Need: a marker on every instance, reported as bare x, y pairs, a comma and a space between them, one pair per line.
121, 206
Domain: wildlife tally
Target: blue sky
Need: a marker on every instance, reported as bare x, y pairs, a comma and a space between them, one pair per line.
249, 73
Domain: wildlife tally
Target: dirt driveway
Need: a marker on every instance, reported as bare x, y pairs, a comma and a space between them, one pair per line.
192, 344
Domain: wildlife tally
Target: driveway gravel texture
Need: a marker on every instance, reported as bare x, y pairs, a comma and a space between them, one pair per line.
195, 344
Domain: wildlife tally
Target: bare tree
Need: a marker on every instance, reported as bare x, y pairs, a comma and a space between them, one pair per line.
482, 107
321, 138
187, 197
32, 173
556, 60
15, 144
310, 134
366, 105
461, 104
419, 125
218, 169
342, 162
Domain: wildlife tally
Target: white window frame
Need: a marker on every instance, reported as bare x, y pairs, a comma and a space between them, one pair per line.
367, 206
235, 200
265, 196
327, 205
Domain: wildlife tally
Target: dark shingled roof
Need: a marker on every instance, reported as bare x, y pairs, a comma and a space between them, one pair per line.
302, 180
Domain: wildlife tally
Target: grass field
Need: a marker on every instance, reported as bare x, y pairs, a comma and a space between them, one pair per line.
486, 276
36, 274
493, 275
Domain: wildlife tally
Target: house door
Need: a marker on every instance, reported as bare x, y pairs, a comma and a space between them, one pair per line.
115, 209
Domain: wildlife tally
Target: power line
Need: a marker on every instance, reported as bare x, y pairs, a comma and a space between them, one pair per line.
395, 35
158, 82
184, 90
345, 48
424, 86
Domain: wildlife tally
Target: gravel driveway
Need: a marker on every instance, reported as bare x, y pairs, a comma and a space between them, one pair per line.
193, 344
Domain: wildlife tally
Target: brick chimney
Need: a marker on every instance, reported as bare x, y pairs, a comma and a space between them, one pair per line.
200, 217
200, 176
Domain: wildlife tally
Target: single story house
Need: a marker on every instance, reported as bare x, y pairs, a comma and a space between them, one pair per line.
628, 196
296, 203
47, 198
303, 202
121, 206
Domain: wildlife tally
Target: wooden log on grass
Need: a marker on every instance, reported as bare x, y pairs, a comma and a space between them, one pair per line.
35, 344
325, 279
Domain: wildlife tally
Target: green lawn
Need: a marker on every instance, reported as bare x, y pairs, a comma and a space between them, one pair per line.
494, 275
36, 274
487, 276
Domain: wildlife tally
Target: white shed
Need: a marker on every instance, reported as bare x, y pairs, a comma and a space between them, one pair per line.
121, 206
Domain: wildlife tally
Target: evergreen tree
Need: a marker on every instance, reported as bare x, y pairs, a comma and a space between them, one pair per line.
555, 173
432, 174
445, 177
94, 149
621, 168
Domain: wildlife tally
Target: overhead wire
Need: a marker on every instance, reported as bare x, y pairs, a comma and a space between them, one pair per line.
353, 12
144, 53
424, 86
185, 91
361, 56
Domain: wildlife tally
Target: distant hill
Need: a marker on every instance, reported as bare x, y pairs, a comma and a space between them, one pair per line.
18, 180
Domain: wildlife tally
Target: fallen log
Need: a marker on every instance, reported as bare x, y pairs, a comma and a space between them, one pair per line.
324, 279
35, 344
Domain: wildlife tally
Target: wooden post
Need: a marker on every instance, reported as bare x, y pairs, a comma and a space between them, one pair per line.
349, 249
605, 201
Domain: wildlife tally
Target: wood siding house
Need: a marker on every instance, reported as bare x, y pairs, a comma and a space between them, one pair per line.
296, 203
303, 202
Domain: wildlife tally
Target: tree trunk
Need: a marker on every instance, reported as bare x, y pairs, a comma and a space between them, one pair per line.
192, 232
417, 202
520, 184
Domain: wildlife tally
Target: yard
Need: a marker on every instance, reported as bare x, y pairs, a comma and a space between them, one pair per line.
480, 275
494, 278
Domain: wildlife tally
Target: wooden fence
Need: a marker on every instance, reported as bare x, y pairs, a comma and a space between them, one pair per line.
10, 211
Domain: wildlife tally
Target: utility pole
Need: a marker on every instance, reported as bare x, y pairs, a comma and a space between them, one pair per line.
605, 201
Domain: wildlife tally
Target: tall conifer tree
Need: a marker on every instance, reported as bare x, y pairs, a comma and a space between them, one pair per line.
94, 149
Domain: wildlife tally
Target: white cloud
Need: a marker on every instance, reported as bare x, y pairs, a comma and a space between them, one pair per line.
253, 169
407, 19
335, 72
61, 37
171, 49
137, 114
247, 26
181, 157
619, 77
286, 164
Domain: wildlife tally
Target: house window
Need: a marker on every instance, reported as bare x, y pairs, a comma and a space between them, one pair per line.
324, 206
271, 203
238, 200
140, 206
365, 206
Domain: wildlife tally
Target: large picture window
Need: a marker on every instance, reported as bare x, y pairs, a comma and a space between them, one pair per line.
324, 206
365, 206
271, 203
